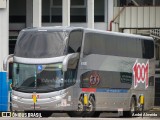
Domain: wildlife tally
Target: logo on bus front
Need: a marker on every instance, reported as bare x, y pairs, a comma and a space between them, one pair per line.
141, 72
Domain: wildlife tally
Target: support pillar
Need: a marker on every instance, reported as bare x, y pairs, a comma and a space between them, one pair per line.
90, 14
37, 13
4, 46
4, 33
110, 12
29, 13
66, 12
106, 13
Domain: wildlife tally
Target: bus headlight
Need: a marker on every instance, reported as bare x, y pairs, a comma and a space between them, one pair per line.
58, 97
15, 97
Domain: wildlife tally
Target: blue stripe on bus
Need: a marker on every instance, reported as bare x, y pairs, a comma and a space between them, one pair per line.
111, 90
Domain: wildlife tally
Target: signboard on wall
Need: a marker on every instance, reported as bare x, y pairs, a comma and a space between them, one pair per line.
3, 3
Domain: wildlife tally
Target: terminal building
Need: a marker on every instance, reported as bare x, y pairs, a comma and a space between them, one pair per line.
128, 16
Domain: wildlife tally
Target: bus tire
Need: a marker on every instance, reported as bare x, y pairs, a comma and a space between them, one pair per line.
97, 114
132, 108
80, 112
90, 112
46, 113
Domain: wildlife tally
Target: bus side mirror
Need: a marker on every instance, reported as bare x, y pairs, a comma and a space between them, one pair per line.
6, 61
72, 56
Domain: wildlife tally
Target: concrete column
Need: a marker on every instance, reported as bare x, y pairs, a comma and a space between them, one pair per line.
37, 13
90, 14
106, 13
4, 33
66, 12
29, 13
110, 12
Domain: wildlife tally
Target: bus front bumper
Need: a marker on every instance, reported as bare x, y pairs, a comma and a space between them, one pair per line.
56, 103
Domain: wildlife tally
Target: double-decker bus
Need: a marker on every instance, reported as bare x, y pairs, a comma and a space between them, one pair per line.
78, 69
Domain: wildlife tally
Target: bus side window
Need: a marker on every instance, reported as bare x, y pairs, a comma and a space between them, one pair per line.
70, 50
75, 41
79, 49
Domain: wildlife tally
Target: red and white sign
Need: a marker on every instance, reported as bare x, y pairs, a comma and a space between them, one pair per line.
94, 79
141, 73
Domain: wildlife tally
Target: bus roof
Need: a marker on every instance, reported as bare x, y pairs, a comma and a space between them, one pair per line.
119, 34
69, 29
53, 28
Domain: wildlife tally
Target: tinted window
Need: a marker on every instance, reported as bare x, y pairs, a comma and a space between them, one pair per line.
106, 79
103, 44
75, 41
70, 77
98, 44
148, 49
40, 44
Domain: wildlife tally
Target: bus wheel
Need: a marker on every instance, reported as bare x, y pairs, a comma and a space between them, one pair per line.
132, 108
90, 110
80, 111
46, 113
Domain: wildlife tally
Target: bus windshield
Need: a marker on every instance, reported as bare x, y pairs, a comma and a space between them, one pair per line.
37, 78
41, 44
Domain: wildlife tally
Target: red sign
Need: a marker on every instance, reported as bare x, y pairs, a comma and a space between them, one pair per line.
88, 89
141, 73
94, 79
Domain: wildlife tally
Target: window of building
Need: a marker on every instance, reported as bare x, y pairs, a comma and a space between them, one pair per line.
99, 8
56, 3
12, 43
17, 11
78, 11
74, 3
78, 3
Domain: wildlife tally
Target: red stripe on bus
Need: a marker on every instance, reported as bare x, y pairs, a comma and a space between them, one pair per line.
88, 89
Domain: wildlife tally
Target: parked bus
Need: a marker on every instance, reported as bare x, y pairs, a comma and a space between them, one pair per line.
78, 69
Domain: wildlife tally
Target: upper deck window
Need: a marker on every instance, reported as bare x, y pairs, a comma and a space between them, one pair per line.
41, 44
97, 43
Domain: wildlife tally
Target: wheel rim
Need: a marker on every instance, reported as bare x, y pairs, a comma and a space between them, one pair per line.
133, 108
90, 106
80, 106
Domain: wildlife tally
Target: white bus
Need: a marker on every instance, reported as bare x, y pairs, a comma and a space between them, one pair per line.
74, 69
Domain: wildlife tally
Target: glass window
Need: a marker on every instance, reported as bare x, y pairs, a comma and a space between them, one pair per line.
106, 79
96, 43
99, 8
70, 77
75, 41
41, 44
17, 11
148, 49
74, 3
12, 43
56, 3
41, 78
78, 3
